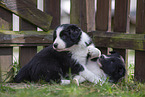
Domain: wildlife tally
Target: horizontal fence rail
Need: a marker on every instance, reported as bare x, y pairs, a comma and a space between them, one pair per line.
119, 40
25, 38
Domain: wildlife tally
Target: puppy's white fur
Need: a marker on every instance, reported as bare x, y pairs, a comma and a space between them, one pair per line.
79, 52
59, 41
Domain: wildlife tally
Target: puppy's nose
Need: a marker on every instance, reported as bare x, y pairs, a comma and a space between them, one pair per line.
55, 45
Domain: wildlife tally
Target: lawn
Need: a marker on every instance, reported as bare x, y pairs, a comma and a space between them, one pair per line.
122, 89
126, 88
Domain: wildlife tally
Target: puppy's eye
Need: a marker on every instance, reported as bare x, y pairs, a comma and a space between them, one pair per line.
63, 36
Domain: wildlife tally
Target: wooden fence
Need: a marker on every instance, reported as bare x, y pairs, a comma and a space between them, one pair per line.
98, 25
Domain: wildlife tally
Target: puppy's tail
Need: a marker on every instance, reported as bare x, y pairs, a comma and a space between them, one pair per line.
22, 75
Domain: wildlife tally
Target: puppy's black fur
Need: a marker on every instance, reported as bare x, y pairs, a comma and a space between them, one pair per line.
113, 66
50, 64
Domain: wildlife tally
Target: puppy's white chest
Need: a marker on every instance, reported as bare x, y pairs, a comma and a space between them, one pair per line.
94, 68
80, 56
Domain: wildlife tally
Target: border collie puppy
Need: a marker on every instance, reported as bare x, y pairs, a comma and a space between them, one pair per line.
111, 66
68, 54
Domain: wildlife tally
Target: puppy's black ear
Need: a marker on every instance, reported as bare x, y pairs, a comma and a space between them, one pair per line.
75, 32
112, 52
54, 35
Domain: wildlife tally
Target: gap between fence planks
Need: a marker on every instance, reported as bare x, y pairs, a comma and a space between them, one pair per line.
26, 10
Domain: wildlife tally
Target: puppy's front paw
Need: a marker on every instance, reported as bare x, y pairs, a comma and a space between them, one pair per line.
94, 52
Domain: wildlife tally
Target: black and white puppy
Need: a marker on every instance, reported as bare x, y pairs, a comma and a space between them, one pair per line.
111, 66
68, 54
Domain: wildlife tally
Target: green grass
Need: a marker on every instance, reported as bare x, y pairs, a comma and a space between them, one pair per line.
123, 89
126, 88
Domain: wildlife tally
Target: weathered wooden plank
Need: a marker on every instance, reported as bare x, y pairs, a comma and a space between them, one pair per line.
26, 10
27, 52
6, 54
121, 21
140, 29
119, 40
121, 16
25, 25
103, 18
52, 7
103, 15
25, 37
6, 59
5, 21
83, 14
101, 39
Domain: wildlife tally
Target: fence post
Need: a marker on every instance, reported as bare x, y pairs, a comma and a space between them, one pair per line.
140, 29
83, 14
103, 18
27, 52
121, 20
52, 7
121, 24
6, 53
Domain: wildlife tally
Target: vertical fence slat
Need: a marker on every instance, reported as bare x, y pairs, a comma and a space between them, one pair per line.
103, 18
52, 7
121, 23
6, 53
27, 52
140, 29
121, 20
83, 14
103, 21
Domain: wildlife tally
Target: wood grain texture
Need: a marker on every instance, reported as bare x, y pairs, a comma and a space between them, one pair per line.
83, 14
25, 25
6, 53
25, 37
140, 29
119, 40
121, 16
103, 19
52, 7
26, 10
103, 14
5, 21
121, 20
27, 52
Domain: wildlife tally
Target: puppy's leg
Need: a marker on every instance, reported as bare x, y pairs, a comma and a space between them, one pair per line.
65, 82
77, 79
93, 51
91, 77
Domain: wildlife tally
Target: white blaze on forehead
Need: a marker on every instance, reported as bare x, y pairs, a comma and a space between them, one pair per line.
58, 30
58, 40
